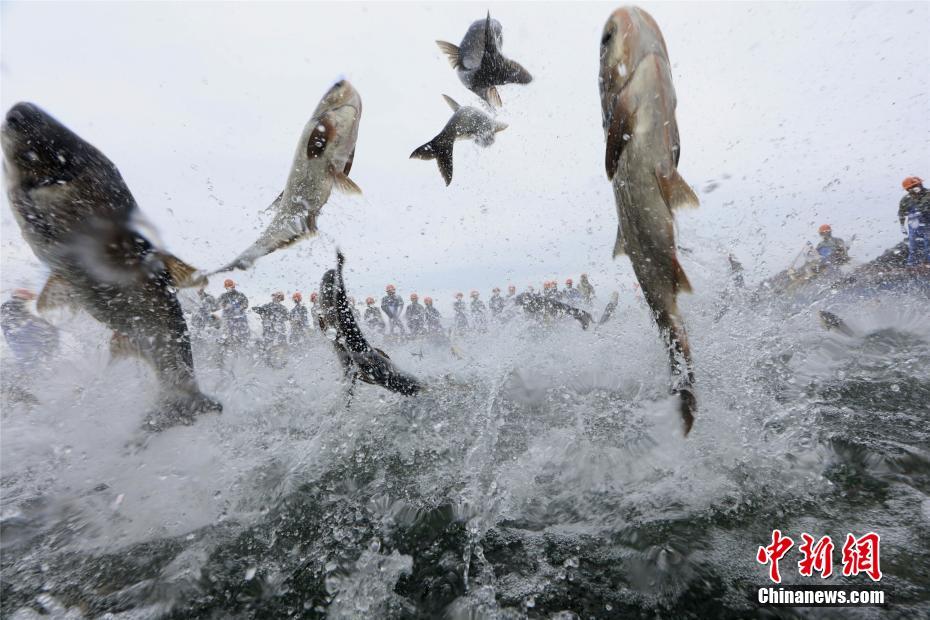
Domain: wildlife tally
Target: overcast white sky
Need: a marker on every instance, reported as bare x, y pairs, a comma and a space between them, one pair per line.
802, 113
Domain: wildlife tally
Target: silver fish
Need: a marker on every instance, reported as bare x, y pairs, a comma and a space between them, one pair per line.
466, 123
643, 148
323, 158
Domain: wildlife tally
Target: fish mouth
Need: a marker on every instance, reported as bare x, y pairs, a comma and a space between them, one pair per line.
342, 94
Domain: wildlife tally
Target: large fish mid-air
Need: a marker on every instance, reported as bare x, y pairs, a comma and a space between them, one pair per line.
323, 158
359, 359
79, 217
466, 123
479, 62
638, 105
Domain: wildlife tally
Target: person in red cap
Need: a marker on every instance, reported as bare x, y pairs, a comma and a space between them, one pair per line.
915, 208
299, 319
234, 305
392, 304
373, 316
832, 250
414, 315
31, 338
432, 316
570, 295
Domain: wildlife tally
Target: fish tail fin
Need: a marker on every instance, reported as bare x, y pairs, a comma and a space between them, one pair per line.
676, 193
181, 407
514, 73
440, 149
620, 243
681, 365
679, 278
340, 260
452, 53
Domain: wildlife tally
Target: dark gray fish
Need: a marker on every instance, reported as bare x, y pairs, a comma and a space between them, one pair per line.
466, 123
479, 62
79, 217
539, 306
832, 322
359, 359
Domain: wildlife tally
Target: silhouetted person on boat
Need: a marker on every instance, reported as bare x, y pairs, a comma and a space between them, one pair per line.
915, 210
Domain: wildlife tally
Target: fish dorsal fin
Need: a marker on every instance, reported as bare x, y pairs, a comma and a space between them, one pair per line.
493, 97
182, 275
452, 103
675, 192
57, 293
381, 352
452, 53
344, 183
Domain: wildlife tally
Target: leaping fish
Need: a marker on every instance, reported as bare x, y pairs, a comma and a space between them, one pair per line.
79, 217
359, 359
466, 123
479, 62
643, 148
323, 158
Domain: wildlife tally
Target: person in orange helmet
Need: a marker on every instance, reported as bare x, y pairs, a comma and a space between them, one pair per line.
31, 338
234, 305
571, 295
299, 318
392, 304
373, 316
831, 250
915, 208
432, 316
415, 315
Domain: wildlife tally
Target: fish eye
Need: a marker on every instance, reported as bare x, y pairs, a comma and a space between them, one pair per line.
606, 37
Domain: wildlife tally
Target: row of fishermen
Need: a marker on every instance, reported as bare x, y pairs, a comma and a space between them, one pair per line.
281, 325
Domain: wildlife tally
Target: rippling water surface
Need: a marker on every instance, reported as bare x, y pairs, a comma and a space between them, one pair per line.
542, 475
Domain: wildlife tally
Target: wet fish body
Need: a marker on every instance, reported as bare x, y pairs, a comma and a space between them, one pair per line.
359, 359
539, 306
466, 123
832, 322
322, 159
480, 63
642, 152
79, 217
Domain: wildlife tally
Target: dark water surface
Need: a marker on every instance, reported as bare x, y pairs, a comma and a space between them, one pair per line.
541, 476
